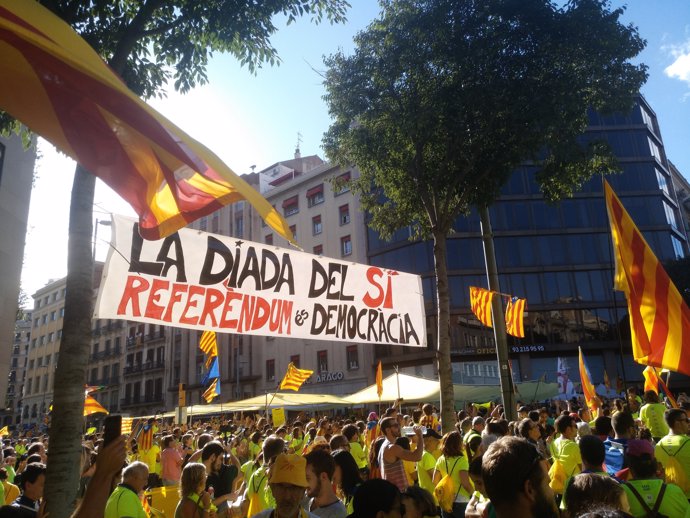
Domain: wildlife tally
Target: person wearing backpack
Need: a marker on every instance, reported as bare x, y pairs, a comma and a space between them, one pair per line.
673, 450
451, 476
567, 460
652, 415
624, 429
648, 496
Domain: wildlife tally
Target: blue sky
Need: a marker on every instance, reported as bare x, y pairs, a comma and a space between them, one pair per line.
254, 119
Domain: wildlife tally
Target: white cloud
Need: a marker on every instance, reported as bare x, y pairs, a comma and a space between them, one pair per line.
680, 68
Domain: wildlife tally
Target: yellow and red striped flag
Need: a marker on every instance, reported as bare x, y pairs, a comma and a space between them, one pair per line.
126, 428
59, 87
4, 431
651, 380
209, 346
586, 380
659, 318
294, 378
480, 302
379, 380
91, 406
213, 391
515, 315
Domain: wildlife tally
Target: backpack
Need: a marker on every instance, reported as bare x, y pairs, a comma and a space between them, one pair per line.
654, 512
675, 473
445, 491
557, 475
255, 504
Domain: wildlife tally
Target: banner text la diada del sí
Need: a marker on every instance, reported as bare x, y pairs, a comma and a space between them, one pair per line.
204, 281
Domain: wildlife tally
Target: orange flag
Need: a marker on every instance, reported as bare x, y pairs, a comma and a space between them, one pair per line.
659, 318
379, 380
59, 87
480, 301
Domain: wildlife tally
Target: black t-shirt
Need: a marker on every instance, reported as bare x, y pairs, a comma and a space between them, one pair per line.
222, 481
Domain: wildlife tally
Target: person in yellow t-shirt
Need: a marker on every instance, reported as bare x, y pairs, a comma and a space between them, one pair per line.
652, 415
676, 444
565, 449
427, 464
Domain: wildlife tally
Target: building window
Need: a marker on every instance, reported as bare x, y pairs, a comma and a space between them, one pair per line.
239, 226
51, 337
315, 196
342, 184
345, 246
62, 312
52, 316
291, 206
293, 229
270, 370
318, 250
322, 361
203, 223
294, 359
36, 321
316, 226
269, 239
352, 357
344, 214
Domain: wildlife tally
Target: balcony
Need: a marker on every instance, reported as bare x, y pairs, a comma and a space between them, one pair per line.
112, 380
102, 355
147, 399
151, 337
147, 366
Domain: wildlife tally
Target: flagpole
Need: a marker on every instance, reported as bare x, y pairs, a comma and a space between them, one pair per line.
534, 398
397, 378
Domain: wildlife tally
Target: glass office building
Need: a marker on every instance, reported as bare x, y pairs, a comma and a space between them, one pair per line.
557, 256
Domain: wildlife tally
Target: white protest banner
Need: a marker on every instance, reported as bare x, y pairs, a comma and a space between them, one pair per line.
198, 280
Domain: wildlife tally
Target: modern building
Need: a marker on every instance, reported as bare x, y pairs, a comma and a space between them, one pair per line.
16, 179
557, 256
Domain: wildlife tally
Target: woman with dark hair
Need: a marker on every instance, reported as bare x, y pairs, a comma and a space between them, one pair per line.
454, 463
374, 468
346, 477
377, 496
588, 491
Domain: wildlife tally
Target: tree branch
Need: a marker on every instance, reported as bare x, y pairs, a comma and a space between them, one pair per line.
132, 34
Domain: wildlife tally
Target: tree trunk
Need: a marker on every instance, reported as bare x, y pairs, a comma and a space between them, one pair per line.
67, 422
504, 370
445, 372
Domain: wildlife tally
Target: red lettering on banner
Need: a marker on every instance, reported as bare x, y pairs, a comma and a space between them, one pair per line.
134, 287
372, 274
213, 300
191, 303
175, 297
153, 310
225, 322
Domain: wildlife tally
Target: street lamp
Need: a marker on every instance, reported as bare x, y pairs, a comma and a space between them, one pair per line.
104, 222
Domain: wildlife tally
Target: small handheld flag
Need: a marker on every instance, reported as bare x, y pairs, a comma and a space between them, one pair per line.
294, 378
91, 406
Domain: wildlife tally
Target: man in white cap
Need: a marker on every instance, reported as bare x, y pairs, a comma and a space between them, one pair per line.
288, 481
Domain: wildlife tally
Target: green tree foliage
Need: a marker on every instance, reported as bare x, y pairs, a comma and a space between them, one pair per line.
443, 99
149, 43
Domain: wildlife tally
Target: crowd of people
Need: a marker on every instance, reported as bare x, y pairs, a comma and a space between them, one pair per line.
630, 458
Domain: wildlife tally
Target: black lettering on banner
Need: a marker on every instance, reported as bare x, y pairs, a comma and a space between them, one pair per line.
163, 261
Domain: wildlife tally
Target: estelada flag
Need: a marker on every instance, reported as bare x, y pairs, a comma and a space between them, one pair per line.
213, 391
586, 379
379, 380
515, 314
659, 318
59, 87
480, 302
91, 406
294, 378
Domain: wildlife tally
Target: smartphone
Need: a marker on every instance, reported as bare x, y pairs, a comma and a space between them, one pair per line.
112, 428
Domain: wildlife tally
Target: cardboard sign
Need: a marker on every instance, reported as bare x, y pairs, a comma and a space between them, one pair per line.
204, 281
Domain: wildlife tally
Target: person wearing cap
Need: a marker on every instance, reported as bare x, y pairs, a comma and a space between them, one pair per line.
644, 491
427, 464
477, 428
676, 444
288, 483
391, 455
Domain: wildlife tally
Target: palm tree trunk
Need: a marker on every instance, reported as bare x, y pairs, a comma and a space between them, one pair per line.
445, 372
67, 422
